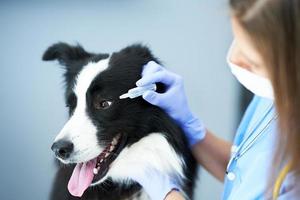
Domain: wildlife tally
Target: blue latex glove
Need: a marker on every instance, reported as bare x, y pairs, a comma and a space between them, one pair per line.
156, 184
173, 101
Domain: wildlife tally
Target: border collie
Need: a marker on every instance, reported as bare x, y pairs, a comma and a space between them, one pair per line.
105, 135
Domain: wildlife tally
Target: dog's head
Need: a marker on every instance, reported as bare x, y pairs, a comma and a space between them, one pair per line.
100, 125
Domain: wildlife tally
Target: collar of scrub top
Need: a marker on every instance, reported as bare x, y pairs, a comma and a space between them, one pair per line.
239, 151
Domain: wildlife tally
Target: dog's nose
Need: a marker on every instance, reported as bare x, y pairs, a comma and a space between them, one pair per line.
62, 148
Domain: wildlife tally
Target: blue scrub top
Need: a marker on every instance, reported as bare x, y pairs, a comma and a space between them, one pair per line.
251, 170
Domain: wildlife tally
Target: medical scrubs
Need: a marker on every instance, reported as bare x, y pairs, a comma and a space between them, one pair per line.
249, 173
247, 176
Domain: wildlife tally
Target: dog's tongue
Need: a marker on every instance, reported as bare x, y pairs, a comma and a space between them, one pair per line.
81, 178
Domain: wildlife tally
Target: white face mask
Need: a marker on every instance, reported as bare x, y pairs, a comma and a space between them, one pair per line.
258, 85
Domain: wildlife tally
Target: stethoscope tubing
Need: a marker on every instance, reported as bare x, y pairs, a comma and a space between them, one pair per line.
240, 151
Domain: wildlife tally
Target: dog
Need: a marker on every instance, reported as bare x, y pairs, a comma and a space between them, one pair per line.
107, 138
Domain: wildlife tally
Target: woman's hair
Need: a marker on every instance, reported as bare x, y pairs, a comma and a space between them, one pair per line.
274, 28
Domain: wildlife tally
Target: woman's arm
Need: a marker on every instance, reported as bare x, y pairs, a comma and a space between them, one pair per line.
213, 154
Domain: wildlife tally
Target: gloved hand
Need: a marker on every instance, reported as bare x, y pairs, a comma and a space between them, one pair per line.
173, 101
156, 184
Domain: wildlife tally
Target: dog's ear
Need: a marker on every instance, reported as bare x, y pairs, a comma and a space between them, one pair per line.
66, 54
72, 57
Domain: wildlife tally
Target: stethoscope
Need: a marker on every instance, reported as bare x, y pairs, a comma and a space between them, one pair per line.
238, 151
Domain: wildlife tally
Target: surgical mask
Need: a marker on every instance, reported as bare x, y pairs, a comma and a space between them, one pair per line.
258, 85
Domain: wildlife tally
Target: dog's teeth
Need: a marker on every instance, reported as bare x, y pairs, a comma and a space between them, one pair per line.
111, 148
101, 160
95, 171
106, 155
114, 142
118, 137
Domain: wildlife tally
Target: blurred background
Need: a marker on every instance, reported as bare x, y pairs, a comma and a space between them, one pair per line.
190, 37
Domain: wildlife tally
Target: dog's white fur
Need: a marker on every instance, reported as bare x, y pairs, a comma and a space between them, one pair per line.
143, 155
79, 129
142, 158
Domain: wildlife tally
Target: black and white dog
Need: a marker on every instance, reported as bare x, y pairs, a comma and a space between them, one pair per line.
105, 135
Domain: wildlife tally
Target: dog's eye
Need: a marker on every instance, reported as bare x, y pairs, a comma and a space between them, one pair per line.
105, 104
100, 103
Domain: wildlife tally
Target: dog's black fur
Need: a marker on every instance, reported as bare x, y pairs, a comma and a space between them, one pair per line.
135, 117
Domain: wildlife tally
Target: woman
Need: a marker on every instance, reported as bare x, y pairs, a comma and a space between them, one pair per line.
265, 58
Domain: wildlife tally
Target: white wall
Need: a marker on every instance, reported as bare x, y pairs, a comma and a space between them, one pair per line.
191, 37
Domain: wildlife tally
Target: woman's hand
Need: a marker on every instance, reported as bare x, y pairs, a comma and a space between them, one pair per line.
173, 101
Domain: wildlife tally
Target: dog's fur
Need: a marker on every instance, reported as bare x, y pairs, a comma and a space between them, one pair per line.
153, 138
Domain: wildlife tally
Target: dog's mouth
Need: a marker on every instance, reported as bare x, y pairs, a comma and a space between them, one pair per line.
94, 170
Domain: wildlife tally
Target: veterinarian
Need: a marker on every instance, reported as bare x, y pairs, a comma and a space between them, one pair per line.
263, 160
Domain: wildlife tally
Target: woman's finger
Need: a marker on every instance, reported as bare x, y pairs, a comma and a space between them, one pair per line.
163, 76
151, 67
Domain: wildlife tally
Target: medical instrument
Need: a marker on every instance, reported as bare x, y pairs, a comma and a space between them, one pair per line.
238, 152
138, 91
280, 178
